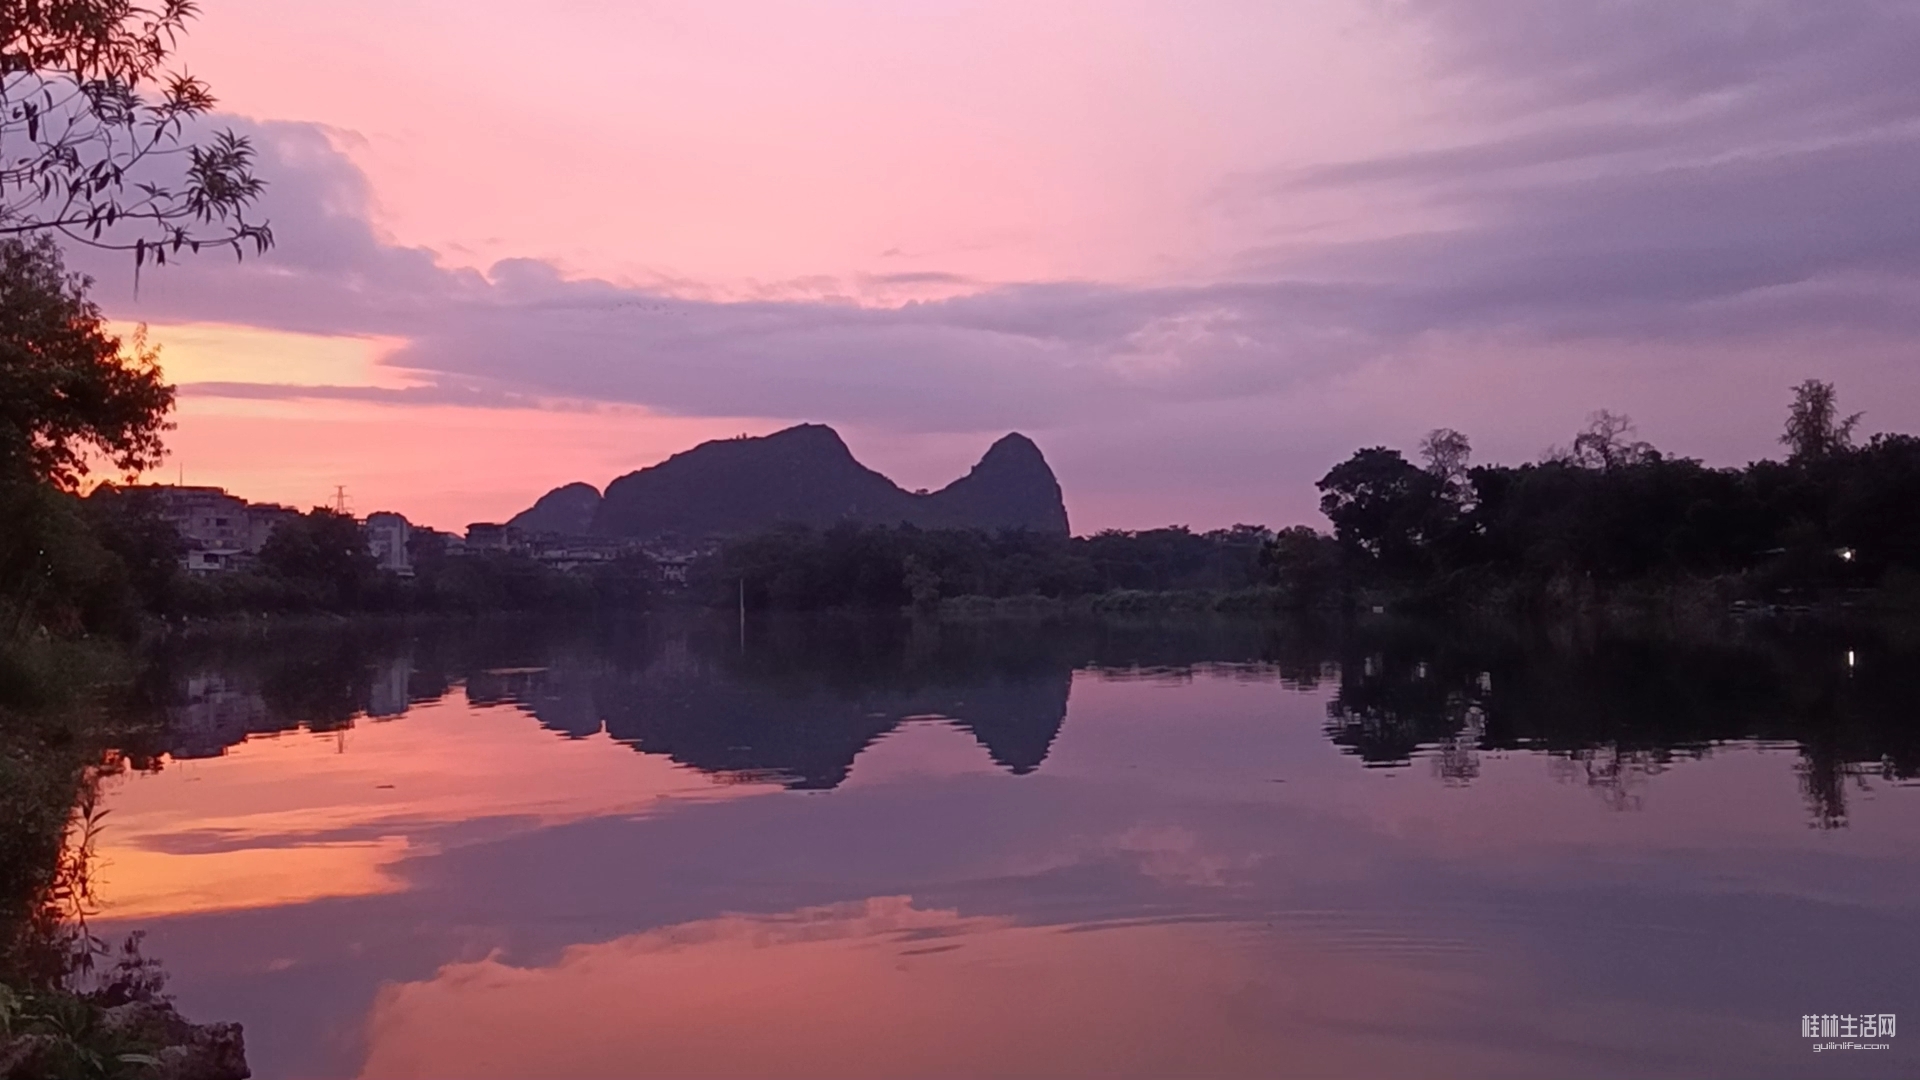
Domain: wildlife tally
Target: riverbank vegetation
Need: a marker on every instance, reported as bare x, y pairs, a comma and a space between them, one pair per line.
854, 566
93, 125
1607, 522
74, 1004
1609, 513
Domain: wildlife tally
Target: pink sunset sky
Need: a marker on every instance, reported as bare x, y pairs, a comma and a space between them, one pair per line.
1198, 251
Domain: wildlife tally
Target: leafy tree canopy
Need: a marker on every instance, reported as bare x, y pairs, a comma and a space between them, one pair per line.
70, 392
1382, 505
325, 549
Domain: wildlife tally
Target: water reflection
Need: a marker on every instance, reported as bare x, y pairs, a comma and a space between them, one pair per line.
997, 998
796, 709
1619, 710
880, 847
799, 702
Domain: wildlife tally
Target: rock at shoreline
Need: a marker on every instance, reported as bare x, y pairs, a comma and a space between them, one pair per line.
173, 1047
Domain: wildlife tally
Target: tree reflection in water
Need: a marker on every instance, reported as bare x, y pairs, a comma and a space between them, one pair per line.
1616, 711
800, 698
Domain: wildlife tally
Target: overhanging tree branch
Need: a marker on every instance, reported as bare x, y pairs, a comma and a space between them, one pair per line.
93, 141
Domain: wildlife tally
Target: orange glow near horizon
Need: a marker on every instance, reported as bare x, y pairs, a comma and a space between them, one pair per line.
218, 352
440, 465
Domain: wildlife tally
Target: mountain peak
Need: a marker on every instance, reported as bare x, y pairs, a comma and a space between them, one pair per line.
1013, 449
806, 475
823, 432
567, 510
807, 438
1011, 487
1013, 442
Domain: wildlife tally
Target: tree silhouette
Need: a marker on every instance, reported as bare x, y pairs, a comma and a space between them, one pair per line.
69, 390
1814, 430
1606, 443
92, 134
1382, 506
1447, 453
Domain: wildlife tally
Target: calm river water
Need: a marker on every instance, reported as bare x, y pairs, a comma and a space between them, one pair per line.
873, 848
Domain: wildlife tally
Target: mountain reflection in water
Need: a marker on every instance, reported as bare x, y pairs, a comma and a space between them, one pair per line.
875, 847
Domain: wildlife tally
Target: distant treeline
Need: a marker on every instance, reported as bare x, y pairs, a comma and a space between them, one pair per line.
865, 566
1607, 512
1609, 509
107, 563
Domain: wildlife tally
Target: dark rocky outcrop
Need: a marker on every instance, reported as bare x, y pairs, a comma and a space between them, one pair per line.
804, 475
564, 511
1012, 487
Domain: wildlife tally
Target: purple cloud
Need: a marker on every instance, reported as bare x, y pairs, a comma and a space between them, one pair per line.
1651, 176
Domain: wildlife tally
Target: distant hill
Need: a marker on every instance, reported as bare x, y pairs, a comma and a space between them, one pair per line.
567, 511
802, 475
